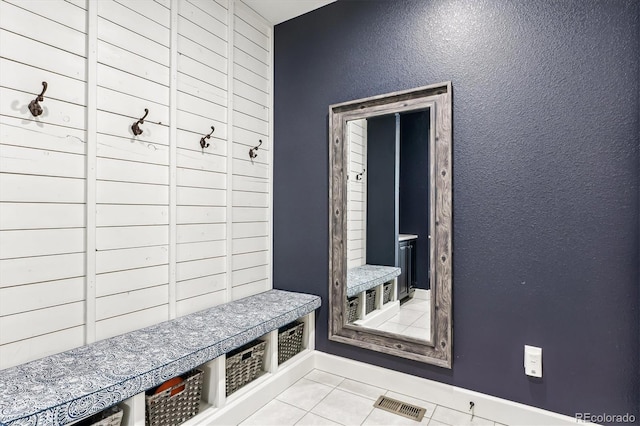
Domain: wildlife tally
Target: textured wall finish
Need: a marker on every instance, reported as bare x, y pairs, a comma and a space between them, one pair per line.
545, 160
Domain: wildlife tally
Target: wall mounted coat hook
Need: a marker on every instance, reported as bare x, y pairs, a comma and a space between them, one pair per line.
34, 106
204, 144
136, 126
252, 151
359, 175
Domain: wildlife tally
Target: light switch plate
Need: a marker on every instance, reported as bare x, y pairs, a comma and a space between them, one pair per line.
533, 361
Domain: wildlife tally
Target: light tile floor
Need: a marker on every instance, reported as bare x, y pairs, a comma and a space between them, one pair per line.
414, 319
322, 398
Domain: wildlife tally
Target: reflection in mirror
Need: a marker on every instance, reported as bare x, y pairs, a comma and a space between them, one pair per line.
387, 291
388, 215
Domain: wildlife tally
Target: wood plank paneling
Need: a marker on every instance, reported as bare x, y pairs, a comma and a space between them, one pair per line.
42, 56
131, 215
201, 89
131, 193
214, 9
131, 321
132, 150
201, 250
202, 285
125, 16
42, 179
130, 280
122, 59
201, 173
23, 216
198, 303
134, 258
122, 237
27, 270
251, 181
42, 189
147, 194
40, 346
356, 194
12, 18
245, 290
40, 321
25, 78
201, 214
58, 11
13, 132
195, 15
15, 104
199, 53
200, 268
130, 301
41, 295
41, 242
113, 78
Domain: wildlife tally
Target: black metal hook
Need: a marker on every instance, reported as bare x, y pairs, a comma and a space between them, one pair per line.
252, 151
359, 175
136, 126
34, 106
203, 143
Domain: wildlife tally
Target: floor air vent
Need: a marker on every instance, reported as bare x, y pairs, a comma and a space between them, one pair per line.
391, 405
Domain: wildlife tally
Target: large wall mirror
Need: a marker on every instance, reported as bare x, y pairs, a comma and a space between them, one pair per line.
390, 223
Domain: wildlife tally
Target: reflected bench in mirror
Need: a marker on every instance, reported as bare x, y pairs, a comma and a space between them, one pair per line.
366, 289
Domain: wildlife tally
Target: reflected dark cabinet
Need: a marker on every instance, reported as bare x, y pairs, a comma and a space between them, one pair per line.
407, 264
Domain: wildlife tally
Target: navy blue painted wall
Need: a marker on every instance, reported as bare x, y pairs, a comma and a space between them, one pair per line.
545, 201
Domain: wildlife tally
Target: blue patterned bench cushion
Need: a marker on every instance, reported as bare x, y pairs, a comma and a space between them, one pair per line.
65, 387
365, 277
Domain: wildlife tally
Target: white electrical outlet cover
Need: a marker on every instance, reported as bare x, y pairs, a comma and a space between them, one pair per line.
533, 361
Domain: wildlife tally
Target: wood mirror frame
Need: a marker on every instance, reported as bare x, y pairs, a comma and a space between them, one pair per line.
438, 350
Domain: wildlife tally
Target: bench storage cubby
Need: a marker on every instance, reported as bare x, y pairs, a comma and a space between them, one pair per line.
244, 364
290, 341
177, 403
386, 292
111, 416
370, 300
352, 308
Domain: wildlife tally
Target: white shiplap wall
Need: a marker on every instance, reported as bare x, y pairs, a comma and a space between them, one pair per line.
101, 231
42, 180
202, 174
132, 193
251, 195
357, 194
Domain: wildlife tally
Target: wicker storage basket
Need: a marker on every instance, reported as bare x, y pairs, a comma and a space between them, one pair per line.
244, 364
290, 341
370, 300
111, 416
386, 292
165, 409
352, 308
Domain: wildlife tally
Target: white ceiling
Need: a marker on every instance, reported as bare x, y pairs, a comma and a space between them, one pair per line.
277, 11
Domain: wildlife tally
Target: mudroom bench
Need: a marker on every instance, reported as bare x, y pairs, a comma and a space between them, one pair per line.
68, 386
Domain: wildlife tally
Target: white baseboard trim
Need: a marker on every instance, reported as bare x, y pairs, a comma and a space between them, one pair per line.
422, 294
239, 407
486, 406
